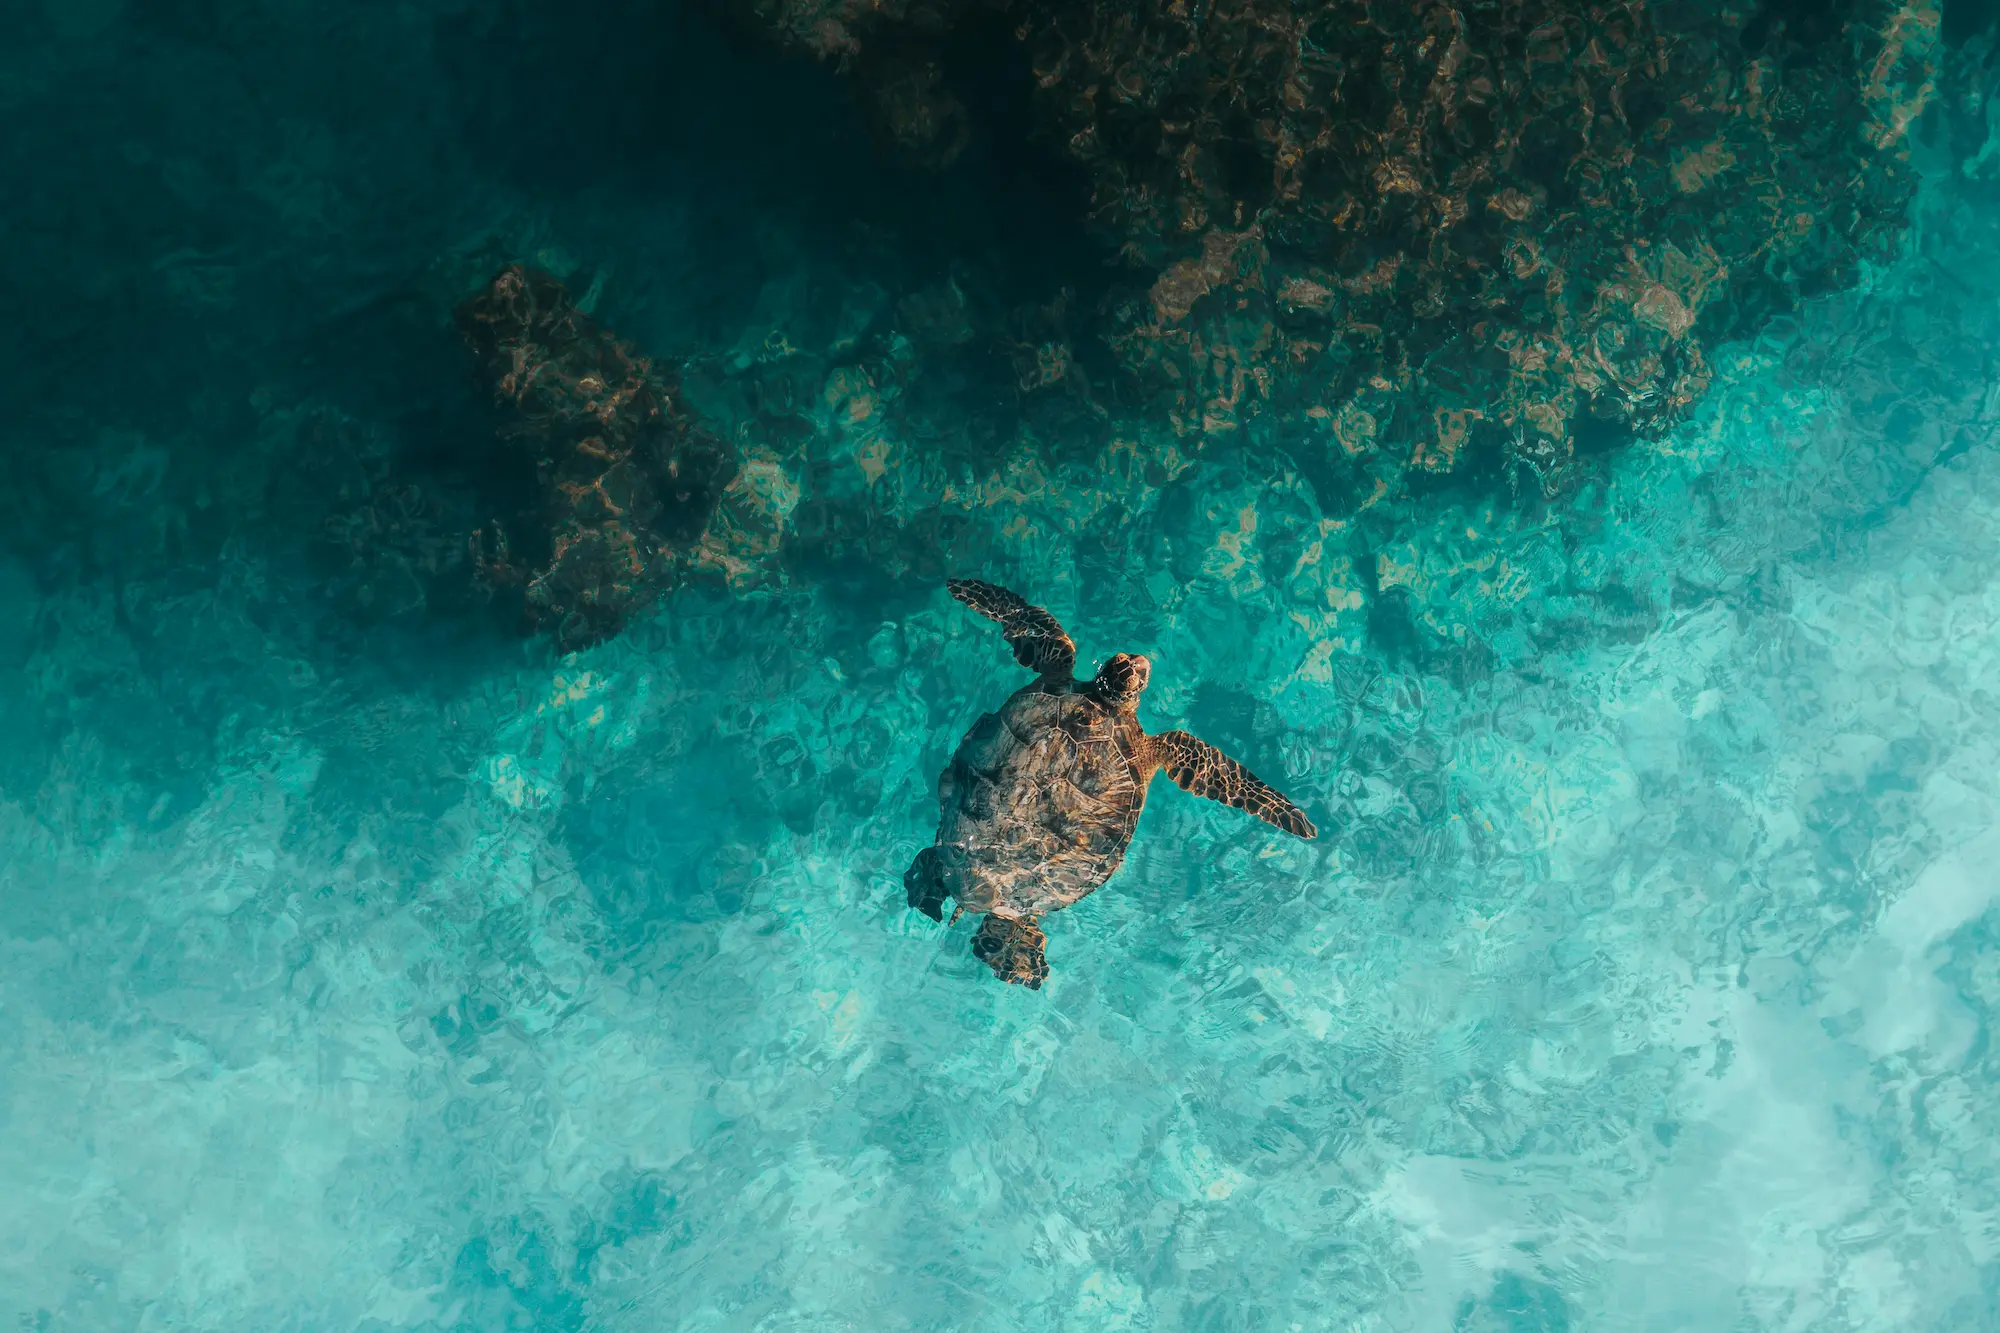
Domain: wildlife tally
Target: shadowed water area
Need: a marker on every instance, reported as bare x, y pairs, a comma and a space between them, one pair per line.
369, 962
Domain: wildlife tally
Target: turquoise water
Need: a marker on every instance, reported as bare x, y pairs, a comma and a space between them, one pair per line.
364, 965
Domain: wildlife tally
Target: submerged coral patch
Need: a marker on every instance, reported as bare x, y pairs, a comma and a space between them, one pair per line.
630, 482
1516, 225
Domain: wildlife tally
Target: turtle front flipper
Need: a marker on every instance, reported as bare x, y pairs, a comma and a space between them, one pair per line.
1199, 767
1012, 947
1038, 639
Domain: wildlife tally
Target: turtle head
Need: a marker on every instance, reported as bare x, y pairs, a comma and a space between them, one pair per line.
1122, 680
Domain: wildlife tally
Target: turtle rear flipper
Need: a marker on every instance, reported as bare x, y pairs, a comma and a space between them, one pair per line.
926, 884
1012, 947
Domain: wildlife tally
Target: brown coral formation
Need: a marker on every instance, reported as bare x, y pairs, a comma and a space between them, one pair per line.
888, 46
630, 481
1418, 225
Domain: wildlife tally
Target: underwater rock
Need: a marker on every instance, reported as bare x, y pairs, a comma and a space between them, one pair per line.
887, 48
1418, 224
910, 104
1427, 231
631, 483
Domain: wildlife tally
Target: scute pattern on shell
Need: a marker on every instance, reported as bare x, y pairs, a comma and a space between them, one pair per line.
1042, 798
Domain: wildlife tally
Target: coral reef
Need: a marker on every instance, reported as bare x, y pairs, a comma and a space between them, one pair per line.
631, 483
1418, 224
1420, 229
888, 48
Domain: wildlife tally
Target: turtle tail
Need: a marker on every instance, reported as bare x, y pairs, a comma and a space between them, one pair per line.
1012, 947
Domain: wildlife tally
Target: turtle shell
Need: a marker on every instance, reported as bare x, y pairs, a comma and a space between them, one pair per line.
1040, 802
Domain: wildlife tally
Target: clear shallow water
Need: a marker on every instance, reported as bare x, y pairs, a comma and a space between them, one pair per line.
372, 970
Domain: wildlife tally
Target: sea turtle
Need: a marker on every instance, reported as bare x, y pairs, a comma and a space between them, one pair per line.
1041, 799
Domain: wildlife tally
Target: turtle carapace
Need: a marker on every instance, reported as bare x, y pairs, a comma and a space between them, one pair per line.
1040, 801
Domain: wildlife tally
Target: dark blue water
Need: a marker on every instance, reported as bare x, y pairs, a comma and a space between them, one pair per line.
365, 964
